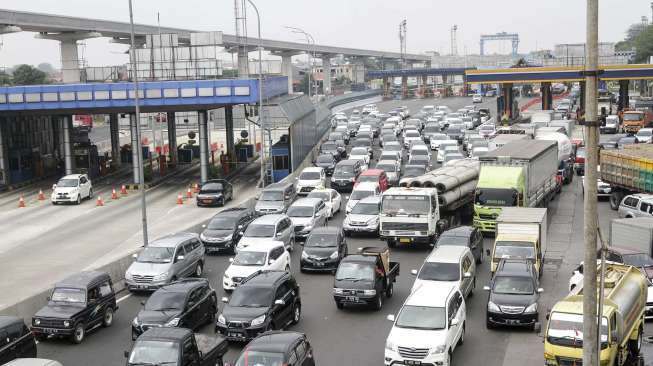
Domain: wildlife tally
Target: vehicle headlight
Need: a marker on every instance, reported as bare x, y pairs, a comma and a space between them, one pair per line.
369, 292
258, 320
308, 227
37, 321
439, 349
304, 255
129, 276
161, 277
493, 307
229, 237
66, 323
389, 345
338, 291
173, 323
202, 236
334, 255
135, 322
532, 308
222, 320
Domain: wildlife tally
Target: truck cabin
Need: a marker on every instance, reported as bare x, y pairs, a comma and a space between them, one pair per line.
360, 267
497, 197
566, 328
414, 205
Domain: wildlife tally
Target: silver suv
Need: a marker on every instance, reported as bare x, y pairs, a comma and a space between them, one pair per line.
636, 205
165, 260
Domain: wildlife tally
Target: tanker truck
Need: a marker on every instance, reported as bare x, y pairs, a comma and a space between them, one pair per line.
622, 320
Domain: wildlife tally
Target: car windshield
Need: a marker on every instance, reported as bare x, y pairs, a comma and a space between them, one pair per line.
324, 196
309, 176
156, 255
359, 151
211, 188
355, 271
418, 159
500, 197
566, 329
344, 169
154, 353
247, 258
300, 211
325, 159
637, 260
259, 231
419, 152
360, 194
513, 285
392, 147
258, 358
645, 132
452, 156
632, 117
514, 249
72, 295
421, 317
412, 133
165, 300
452, 240
454, 130
220, 223
389, 168
251, 297
368, 178
434, 271
321, 240
365, 209
271, 196
67, 183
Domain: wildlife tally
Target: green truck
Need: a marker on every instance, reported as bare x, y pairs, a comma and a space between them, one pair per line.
519, 174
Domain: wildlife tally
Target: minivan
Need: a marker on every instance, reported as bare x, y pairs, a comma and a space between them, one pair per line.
345, 175
306, 214
276, 227
275, 199
165, 260
223, 230
448, 263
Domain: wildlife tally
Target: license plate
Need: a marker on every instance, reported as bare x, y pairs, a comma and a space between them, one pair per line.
50, 330
319, 264
352, 298
236, 335
143, 286
512, 321
411, 362
207, 201
404, 240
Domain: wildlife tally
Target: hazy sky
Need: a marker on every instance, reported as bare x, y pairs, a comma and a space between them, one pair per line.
371, 24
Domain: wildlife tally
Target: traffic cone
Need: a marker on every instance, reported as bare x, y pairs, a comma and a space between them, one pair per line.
189, 193
21, 201
180, 199
197, 188
114, 195
41, 195
99, 201
123, 190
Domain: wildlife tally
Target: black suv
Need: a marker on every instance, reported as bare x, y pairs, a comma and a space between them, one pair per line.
215, 192
514, 295
468, 236
188, 303
345, 174
77, 304
16, 340
278, 348
323, 249
266, 300
225, 229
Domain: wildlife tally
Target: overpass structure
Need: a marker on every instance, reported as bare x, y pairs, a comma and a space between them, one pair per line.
422, 75
68, 30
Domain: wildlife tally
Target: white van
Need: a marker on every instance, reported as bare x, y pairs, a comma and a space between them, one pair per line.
448, 264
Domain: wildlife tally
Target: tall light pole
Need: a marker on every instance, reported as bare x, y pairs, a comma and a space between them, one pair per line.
309, 39
132, 56
591, 335
260, 93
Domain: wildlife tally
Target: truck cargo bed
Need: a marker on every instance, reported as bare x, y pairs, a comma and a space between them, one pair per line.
630, 168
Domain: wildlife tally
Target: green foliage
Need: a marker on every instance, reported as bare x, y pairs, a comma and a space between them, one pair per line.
28, 75
5, 79
644, 45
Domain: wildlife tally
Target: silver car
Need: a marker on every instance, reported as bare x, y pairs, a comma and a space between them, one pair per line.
392, 170
636, 205
269, 228
307, 214
364, 217
165, 260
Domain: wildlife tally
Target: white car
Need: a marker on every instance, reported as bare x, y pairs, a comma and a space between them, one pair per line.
487, 130
410, 136
436, 140
644, 135
72, 188
360, 191
428, 328
477, 98
444, 145
420, 150
360, 153
256, 257
331, 198
365, 131
309, 179
448, 264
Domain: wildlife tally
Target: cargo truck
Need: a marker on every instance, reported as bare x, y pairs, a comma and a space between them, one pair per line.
634, 234
627, 171
520, 174
520, 234
633, 121
622, 320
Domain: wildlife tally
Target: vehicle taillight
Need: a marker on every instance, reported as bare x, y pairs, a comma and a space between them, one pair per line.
580, 160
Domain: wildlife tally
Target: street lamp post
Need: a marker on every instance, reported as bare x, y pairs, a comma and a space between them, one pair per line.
132, 55
260, 93
311, 42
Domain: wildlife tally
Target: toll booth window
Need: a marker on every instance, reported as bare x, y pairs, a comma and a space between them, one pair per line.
281, 162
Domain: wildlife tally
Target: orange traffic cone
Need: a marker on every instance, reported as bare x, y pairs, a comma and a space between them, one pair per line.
99, 202
197, 188
41, 195
189, 193
21, 201
123, 190
180, 199
114, 195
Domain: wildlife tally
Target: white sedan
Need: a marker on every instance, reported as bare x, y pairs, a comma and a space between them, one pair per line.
256, 257
331, 198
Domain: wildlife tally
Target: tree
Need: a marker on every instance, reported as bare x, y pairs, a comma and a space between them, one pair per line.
5, 79
644, 45
28, 75
46, 67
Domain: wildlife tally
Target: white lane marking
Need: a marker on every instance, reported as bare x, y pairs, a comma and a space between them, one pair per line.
123, 298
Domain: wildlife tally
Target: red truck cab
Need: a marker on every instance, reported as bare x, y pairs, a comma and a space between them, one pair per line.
374, 175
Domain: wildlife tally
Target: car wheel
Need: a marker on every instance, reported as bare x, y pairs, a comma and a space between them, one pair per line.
107, 318
79, 199
211, 315
461, 340
199, 269
378, 304
296, 313
78, 334
390, 291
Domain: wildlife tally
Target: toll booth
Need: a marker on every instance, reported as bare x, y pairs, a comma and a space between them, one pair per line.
280, 160
86, 159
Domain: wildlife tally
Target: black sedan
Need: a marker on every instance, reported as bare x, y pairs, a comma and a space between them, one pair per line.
323, 250
215, 192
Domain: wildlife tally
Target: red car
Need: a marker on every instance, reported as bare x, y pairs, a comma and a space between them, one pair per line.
374, 175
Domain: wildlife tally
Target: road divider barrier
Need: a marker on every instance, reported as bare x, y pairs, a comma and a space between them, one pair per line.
180, 199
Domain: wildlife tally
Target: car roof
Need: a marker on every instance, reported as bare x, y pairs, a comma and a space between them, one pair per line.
72, 176
172, 240
269, 219
264, 278
370, 199
233, 212
348, 162
393, 162
312, 169
430, 294
32, 362
447, 254
459, 231
274, 341
643, 196
326, 230
83, 280
373, 172
308, 201
262, 246
165, 333
185, 284
366, 186
6, 320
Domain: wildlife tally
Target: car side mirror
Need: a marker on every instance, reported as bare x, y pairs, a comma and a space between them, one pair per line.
413, 272
540, 290
486, 288
54, 186
391, 317
143, 302
467, 275
126, 354
231, 260
225, 300
279, 302
454, 322
240, 227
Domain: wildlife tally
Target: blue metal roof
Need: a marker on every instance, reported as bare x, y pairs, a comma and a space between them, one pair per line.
155, 95
555, 74
418, 72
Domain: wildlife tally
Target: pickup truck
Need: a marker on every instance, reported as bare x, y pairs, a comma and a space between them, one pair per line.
163, 346
365, 278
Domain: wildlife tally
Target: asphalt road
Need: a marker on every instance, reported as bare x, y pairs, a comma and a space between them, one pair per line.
357, 336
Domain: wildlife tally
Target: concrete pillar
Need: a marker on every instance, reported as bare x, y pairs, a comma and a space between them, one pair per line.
67, 126
4, 159
326, 74
386, 87
243, 62
359, 71
69, 54
229, 128
172, 138
506, 90
115, 140
404, 87
286, 69
135, 146
425, 83
202, 119
624, 98
547, 96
